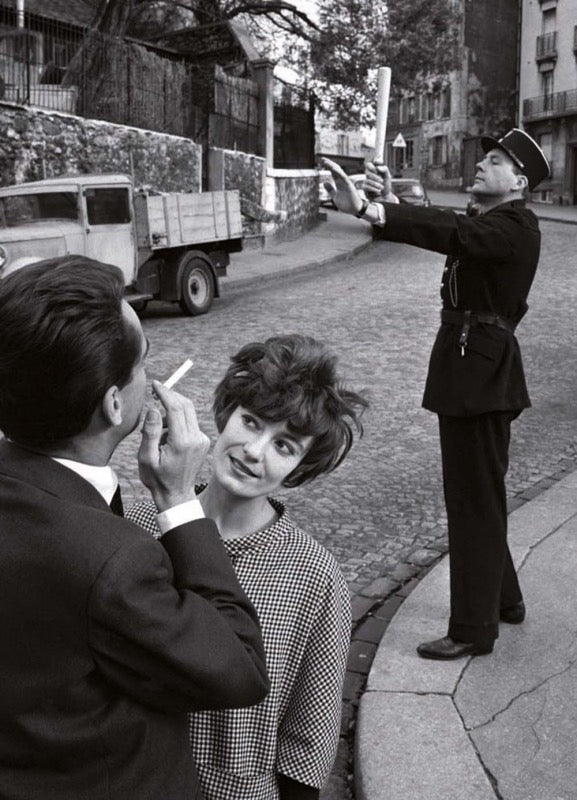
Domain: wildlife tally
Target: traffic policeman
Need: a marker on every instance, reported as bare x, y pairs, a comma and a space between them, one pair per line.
475, 382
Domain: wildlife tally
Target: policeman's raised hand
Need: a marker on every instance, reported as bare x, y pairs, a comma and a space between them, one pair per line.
378, 183
343, 193
169, 460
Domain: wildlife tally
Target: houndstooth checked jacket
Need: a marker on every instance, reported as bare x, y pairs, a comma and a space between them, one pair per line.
303, 605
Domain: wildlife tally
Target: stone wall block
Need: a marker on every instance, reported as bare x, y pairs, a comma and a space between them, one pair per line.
38, 144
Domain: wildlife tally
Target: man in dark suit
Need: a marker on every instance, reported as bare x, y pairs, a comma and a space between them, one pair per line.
109, 637
475, 381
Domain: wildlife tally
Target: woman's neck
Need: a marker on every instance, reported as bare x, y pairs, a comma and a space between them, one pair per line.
233, 515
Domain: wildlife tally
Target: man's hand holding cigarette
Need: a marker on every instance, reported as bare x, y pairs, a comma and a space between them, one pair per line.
170, 458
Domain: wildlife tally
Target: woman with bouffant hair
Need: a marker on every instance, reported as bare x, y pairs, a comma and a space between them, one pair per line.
284, 418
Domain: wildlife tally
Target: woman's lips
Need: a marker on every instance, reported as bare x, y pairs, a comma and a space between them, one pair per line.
241, 467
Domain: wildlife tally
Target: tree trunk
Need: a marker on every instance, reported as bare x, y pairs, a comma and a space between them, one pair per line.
113, 16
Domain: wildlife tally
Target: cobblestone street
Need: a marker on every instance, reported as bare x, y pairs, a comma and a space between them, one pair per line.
379, 312
381, 513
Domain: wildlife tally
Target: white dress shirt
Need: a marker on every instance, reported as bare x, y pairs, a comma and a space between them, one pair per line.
105, 482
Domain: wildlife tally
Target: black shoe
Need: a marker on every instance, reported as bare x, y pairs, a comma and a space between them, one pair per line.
446, 649
514, 615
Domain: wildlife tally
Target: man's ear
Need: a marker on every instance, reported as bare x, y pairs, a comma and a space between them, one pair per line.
522, 182
112, 407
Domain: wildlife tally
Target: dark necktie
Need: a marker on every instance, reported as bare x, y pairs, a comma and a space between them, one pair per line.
116, 503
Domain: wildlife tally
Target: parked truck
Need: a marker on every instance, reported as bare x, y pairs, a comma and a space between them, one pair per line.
169, 246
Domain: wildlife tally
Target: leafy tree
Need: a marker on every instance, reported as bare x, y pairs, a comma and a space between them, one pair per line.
336, 56
149, 18
416, 38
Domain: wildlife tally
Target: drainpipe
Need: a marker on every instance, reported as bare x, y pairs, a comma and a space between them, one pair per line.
20, 13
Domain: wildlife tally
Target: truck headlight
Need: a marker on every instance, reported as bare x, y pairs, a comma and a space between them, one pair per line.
3, 256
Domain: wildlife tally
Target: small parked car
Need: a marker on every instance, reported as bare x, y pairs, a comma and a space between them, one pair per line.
410, 191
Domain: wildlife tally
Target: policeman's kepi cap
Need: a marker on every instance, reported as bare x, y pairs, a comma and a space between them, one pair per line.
524, 152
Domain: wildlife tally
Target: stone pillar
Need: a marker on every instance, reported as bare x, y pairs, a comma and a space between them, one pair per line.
264, 78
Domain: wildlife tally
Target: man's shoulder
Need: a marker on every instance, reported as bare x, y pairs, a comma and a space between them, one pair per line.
519, 211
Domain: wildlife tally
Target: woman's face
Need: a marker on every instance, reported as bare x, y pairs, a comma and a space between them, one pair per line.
252, 457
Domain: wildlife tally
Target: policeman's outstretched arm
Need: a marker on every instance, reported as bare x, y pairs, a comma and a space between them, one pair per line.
347, 199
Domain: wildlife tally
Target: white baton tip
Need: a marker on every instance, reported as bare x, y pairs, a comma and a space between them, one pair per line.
178, 374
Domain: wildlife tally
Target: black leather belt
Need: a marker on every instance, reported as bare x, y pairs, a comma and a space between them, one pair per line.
469, 318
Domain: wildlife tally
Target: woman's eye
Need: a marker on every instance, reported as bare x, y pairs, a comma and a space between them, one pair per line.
285, 447
248, 420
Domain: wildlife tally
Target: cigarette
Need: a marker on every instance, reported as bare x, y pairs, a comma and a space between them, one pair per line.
178, 374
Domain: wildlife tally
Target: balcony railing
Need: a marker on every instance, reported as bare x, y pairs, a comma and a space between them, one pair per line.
546, 46
556, 104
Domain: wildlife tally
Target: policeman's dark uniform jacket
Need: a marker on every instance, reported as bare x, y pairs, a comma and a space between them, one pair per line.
476, 384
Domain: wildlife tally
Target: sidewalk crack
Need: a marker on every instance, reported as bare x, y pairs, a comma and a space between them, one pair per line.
525, 693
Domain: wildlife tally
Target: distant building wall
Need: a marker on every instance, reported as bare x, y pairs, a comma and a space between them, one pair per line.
479, 97
344, 147
38, 144
548, 92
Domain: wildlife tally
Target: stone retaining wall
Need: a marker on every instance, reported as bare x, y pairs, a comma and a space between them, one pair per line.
36, 144
232, 169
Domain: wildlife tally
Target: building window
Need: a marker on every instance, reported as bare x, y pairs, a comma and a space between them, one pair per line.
549, 20
343, 144
430, 103
410, 153
411, 109
438, 151
446, 102
403, 110
547, 89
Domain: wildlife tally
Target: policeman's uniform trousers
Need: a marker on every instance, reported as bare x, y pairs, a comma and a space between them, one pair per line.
483, 580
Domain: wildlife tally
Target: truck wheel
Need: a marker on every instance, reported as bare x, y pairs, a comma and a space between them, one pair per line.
197, 287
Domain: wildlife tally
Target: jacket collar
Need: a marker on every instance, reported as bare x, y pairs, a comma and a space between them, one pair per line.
44, 473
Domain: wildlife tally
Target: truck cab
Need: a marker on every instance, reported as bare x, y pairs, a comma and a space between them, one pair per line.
91, 216
169, 246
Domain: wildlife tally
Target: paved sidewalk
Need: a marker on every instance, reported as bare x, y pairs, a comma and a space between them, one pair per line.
497, 726
338, 237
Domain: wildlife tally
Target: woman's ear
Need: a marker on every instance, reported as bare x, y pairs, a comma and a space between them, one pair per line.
112, 406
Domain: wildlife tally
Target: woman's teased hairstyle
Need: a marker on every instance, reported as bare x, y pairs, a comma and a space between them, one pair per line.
293, 378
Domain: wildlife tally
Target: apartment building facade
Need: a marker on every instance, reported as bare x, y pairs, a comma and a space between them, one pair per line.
548, 91
441, 123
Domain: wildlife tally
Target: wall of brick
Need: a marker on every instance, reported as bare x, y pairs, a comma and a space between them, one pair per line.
35, 144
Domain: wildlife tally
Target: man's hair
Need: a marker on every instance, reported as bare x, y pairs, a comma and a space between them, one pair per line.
63, 343
293, 378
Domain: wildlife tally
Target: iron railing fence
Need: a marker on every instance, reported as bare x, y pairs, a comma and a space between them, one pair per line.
546, 46
556, 104
57, 66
